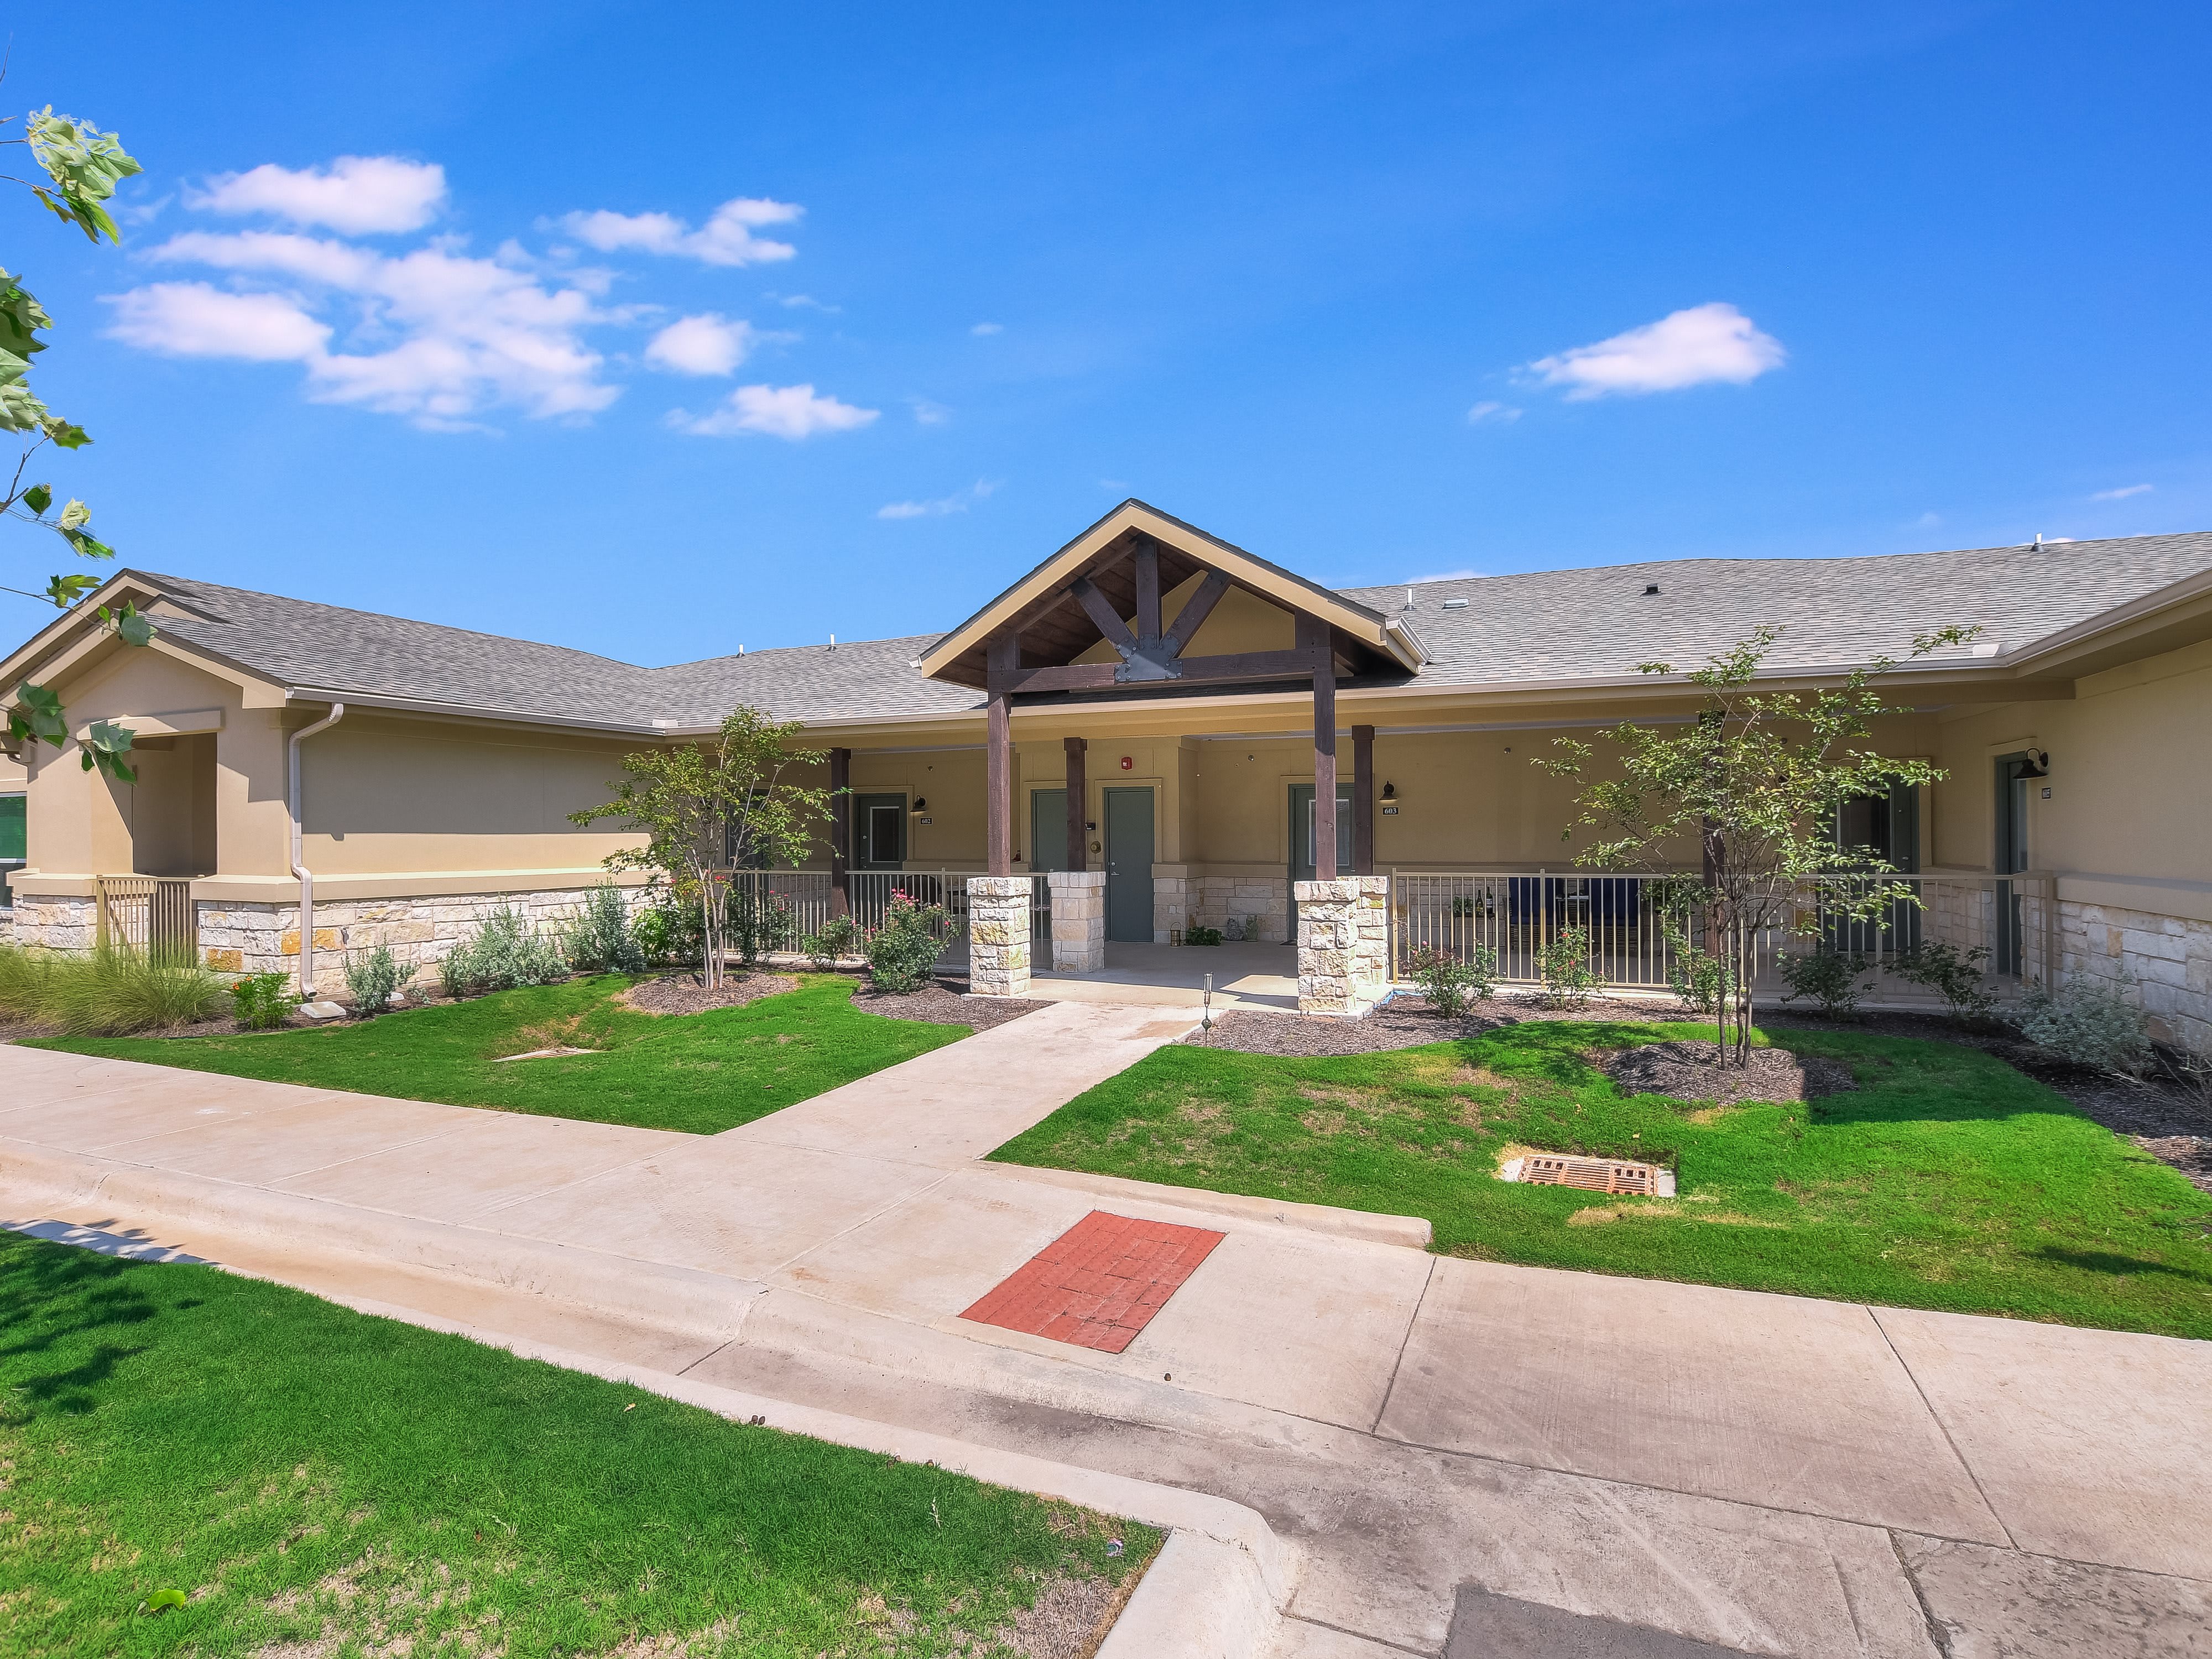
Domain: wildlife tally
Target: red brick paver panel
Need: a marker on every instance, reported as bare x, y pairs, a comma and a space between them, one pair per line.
1099, 1283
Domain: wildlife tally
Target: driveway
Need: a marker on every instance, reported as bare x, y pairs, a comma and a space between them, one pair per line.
1455, 1445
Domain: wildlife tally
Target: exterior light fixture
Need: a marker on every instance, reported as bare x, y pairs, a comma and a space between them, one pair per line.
921, 804
1389, 791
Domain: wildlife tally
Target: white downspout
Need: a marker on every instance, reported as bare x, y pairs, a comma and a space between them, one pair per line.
306, 876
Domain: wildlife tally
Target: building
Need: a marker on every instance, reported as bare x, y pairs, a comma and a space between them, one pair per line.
1203, 727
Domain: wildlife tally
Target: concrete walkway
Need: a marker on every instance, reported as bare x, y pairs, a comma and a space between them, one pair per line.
1765, 1475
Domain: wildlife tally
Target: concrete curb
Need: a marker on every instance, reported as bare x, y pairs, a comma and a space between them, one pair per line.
1412, 1231
1202, 1598
685, 1299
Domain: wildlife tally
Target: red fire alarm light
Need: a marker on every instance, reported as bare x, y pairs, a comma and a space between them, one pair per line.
1127, 764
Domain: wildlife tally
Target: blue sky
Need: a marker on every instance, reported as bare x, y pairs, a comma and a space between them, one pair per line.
1867, 277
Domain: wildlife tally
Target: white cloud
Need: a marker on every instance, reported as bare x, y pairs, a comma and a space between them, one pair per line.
2122, 493
926, 413
440, 337
1927, 521
988, 328
959, 501
1442, 576
726, 239
807, 302
1502, 412
705, 344
191, 319
779, 412
358, 194
1688, 348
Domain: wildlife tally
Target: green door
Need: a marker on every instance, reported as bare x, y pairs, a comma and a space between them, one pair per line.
1129, 866
879, 832
1302, 839
1048, 830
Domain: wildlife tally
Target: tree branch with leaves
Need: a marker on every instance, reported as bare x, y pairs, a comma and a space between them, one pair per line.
1752, 788
81, 166
707, 809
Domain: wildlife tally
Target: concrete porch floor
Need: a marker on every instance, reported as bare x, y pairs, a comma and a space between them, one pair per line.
1174, 976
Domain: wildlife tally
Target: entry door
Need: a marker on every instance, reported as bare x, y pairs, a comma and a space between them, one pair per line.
2013, 773
1888, 826
1047, 829
1129, 865
1302, 839
880, 828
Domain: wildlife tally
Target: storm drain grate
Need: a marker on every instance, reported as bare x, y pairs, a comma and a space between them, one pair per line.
1595, 1175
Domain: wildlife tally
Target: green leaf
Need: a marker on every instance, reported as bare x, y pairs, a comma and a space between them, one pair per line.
105, 745
19, 410
74, 515
66, 591
63, 434
132, 624
161, 1601
38, 714
38, 498
85, 164
21, 316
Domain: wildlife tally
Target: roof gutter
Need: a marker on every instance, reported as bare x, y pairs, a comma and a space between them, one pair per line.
306, 876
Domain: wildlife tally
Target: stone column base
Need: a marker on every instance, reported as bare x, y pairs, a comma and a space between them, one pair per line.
998, 935
1079, 921
1344, 934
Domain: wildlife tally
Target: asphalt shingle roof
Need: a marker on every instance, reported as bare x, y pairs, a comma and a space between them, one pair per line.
1540, 626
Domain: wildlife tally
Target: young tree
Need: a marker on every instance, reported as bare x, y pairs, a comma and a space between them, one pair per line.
706, 808
1752, 785
82, 167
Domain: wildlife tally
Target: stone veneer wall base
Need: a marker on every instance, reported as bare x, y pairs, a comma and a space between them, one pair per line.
1344, 944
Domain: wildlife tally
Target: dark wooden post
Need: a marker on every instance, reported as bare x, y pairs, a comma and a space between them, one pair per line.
1313, 635
841, 832
1005, 657
1363, 800
1147, 562
1078, 845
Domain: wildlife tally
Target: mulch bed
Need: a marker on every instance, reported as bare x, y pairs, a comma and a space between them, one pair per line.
1692, 1071
684, 993
1404, 1022
938, 1004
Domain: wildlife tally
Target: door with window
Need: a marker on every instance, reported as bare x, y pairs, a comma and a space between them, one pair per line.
1887, 827
879, 832
1128, 865
1302, 839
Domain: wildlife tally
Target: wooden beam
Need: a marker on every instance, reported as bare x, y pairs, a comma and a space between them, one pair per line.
1187, 670
1195, 610
1101, 611
1363, 800
1313, 640
1076, 844
999, 762
1148, 591
841, 832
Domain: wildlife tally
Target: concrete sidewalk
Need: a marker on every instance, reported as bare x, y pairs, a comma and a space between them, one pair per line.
1768, 1474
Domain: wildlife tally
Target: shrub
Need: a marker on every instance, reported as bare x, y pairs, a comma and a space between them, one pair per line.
261, 1002
1955, 975
506, 952
375, 979
1201, 936
600, 940
667, 932
1699, 980
759, 922
1831, 978
1450, 984
839, 936
23, 978
1563, 964
116, 990
903, 951
2088, 1023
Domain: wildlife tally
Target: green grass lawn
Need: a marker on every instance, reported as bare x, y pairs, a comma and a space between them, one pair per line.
1947, 1179
698, 1072
318, 1482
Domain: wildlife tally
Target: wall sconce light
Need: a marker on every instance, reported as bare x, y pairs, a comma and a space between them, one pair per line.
1389, 791
921, 804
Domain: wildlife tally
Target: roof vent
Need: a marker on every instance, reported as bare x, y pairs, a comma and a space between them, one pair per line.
1455, 604
1650, 588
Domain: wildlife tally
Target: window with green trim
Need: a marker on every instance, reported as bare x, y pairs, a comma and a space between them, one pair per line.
14, 841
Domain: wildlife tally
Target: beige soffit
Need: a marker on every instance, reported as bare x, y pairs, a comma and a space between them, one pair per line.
1390, 636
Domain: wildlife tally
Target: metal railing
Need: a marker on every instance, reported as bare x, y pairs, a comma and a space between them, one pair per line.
1515, 914
154, 913
805, 899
